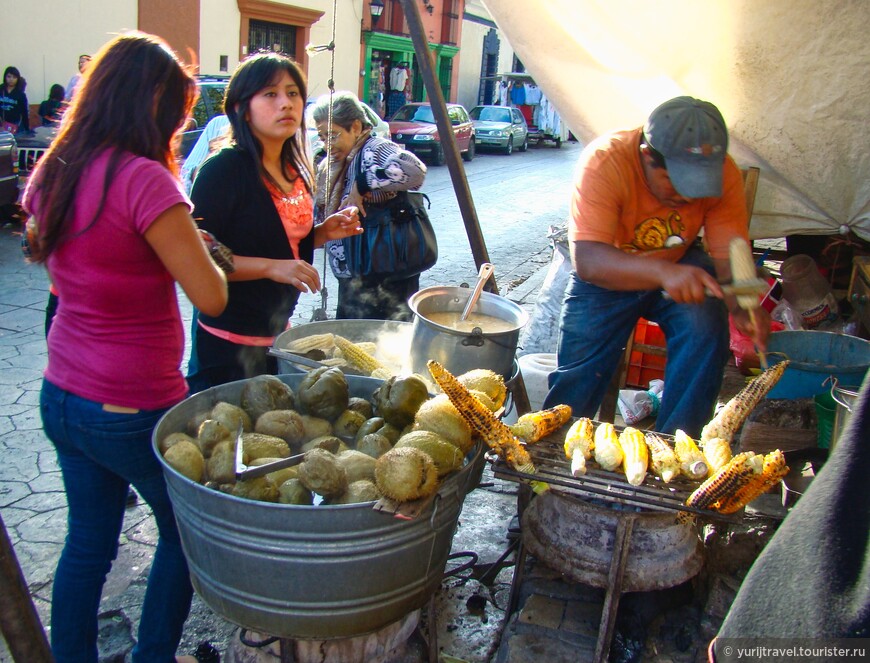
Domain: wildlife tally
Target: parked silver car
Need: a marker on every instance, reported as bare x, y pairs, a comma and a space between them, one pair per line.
500, 127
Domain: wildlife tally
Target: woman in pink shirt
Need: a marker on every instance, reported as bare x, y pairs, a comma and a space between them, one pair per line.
113, 227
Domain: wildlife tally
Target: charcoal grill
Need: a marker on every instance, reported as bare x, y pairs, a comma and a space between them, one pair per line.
630, 505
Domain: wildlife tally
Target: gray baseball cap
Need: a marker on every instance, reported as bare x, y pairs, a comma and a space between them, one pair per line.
692, 136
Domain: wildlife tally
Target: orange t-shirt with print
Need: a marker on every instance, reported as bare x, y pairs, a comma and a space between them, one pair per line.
612, 204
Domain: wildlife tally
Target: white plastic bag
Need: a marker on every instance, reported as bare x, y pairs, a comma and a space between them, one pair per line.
637, 405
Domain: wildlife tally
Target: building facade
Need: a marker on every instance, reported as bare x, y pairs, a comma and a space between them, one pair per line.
372, 41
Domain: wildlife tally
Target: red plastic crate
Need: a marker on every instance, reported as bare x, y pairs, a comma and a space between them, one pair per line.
642, 366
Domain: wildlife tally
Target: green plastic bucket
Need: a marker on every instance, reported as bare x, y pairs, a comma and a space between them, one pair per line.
826, 411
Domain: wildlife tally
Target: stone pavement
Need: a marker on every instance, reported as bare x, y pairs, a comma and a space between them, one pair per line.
33, 505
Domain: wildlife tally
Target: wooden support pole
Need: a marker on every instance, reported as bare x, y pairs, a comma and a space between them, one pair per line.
448, 140
19, 622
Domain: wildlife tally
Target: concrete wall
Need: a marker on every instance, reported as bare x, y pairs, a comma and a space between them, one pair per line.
45, 38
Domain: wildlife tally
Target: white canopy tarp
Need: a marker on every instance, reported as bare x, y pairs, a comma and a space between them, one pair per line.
790, 77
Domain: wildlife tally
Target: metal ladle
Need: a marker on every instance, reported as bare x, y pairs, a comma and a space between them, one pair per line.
486, 270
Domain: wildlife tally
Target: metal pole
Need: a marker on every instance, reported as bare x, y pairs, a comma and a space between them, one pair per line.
448, 140
19, 622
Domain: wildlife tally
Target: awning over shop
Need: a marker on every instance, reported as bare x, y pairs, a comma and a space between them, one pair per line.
790, 77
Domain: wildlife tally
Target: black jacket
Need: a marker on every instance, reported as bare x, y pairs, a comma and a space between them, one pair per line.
231, 201
14, 108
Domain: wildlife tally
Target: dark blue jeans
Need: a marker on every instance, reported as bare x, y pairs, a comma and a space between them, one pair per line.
594, 328
100, 453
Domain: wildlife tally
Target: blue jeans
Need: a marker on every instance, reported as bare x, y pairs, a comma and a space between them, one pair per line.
100, 453
594, 328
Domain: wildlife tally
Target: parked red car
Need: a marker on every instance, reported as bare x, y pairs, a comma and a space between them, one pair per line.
413, 126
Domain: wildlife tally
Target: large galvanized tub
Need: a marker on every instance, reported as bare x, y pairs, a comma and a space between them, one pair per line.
309, 572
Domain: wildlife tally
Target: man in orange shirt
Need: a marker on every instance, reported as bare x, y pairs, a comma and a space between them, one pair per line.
642, 197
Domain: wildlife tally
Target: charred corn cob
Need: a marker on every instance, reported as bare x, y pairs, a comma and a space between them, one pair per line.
495, 433
534, 426
579, 443
663, 461
773, 469
692, 461
607, 451
356, 356
717, 452
731, 417
724, 482
635, 457
313, 342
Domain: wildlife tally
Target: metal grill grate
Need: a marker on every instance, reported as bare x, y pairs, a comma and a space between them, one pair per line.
612, 487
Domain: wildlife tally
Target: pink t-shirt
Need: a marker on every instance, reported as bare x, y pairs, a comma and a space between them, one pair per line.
117, 337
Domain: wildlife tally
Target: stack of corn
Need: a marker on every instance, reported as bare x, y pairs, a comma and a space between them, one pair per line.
741, 480
483, 422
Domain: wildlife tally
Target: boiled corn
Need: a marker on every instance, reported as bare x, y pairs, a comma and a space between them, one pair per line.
731, 417
357, 357
579, 443
692, 461
314, 342
606, 448
534, 426
635, 456
663, 461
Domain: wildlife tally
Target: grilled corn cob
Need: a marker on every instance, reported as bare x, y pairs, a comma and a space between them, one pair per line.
313, 342
662, 458
731, 417
356, 356
724, 482
635, 457
579, 444
773, 469
534, 426
692, 461
717, 452
606, 448
495, 433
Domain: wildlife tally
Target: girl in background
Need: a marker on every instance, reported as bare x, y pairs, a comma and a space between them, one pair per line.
110, 217
14, 110
255, 198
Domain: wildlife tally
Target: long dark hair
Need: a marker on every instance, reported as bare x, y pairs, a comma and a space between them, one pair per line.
14, 71
134, 98
251, 76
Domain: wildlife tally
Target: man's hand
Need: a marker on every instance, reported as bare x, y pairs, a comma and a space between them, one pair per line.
687, 284
757, 326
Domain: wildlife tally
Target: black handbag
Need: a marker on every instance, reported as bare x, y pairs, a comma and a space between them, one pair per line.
399, 241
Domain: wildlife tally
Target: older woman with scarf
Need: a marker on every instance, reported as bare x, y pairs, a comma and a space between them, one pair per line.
362, 169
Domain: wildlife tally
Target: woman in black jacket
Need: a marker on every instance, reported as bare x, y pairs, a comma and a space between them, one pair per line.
255, 197
14, 111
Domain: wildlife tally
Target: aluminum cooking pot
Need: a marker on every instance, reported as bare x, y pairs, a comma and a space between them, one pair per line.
460, 351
